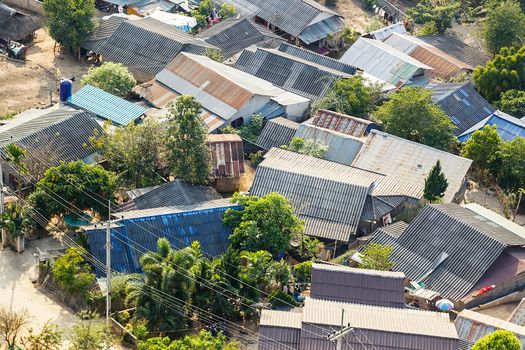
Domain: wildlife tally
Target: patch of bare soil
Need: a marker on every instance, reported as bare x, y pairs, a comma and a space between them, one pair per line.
28, 85
355, 16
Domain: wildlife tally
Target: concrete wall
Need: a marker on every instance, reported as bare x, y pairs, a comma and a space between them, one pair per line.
28, 5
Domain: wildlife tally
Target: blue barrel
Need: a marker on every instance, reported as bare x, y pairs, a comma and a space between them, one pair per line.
66, 89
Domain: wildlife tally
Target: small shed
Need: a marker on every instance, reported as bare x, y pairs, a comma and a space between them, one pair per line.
227, 159
17, 26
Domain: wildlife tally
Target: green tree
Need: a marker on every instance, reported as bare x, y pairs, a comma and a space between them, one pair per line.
498, 340
263, 223
506, 71
136, 153
350, 96
279, 274
203, 340
376, 257
482, 147
110, 77
309, 147
72, 273
435, 184
90, 334
227, 11
504, 26
511, 174
15, 156
69, 21
49, 338
249, 131
13, 220
411, 114
71, 181
187, 133
254, 275
513, 103
440, 13
303, 272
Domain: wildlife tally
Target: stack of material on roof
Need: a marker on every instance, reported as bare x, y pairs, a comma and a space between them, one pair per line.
175, 193
343, 134
276, 133
457, 48
472, 326
462, 103
455, 251
411, 161
360, 286
236, 34
306, 74
508, 127
106, 106
444, 66
227, 156
135, 232
331, 198
16, 25
383, 61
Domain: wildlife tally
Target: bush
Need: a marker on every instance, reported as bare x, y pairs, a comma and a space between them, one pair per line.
512, 102
303, 272
110, 77
72, 273
281, 299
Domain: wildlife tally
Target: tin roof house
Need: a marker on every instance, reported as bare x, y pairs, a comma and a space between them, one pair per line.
227, 95
370, 302
17, 25
227, 161
508, 127
276, 133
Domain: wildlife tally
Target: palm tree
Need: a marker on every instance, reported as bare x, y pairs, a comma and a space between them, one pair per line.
13, 222
15, 156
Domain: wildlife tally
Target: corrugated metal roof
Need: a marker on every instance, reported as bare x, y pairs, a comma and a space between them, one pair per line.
103, 31
395, 229
148, 45
383, 61
283, 319
235, 34
411, 161
444, 65
105, 105
277, 132
496, 218
342, 123
518, 315
319, 30
316, 58
227, 155
472, 242
462, 103
385, 32
508, 127
352, 285
292, 73
175, 193
457, 48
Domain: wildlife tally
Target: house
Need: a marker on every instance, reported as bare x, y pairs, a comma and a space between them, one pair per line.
305, 21
295, 74
358, 286
228, 95
17, 25
371, 325
456, 251
411, 161
137, 231
106, 106
64, 132
343, 134
227, 161
457, 48
508, 127
462, 103
335, 201
277, 132
472, 326
104, 29
144, 45
444, 66
384, 62
174, 193
383, 33
236, 34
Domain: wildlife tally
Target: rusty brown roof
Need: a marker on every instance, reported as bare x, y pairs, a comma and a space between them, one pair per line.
341, 122
227, 155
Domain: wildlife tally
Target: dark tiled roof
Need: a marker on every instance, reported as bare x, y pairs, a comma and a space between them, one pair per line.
469, 242
277, 132
234, 35
148, 45
462, 103
352, 285
457, 48
15, 25
294, 74
103, 31
316, 58
175, 193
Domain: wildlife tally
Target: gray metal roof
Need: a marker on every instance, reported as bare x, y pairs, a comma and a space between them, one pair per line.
462, 103
316, 58
103, 31
411, 161
277, 132
395, 229
175, 193
471, 242
148, 45
457, 48
292, 73
329, 196
234, 35
352, 285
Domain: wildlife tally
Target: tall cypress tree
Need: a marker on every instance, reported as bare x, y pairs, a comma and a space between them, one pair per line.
435, 184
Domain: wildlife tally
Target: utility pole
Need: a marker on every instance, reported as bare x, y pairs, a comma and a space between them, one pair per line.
108, 266
338, 337
4, 236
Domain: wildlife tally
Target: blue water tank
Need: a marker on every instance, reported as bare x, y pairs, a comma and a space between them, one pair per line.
66, 89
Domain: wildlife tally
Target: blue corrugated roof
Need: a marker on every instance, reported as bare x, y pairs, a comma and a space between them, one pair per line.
508, 127
106, 105
271, 110
130, 237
